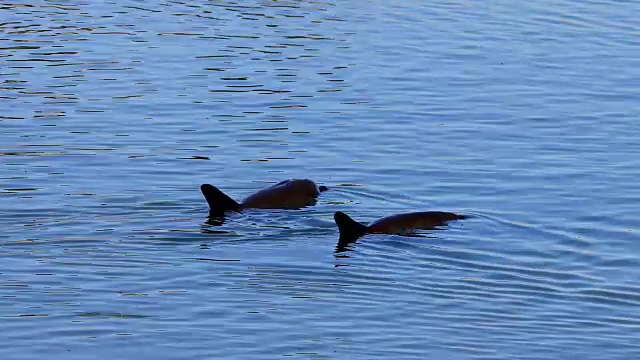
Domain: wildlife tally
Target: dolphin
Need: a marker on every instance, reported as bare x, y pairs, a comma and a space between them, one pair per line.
287, 194
399, 224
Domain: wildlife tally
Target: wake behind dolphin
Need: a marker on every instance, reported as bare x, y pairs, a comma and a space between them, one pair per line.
400, 224
287, 194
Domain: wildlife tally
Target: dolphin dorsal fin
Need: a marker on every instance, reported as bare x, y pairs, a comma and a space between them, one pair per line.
350, 230
219, 202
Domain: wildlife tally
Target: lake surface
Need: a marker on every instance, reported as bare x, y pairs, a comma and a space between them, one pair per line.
524, 115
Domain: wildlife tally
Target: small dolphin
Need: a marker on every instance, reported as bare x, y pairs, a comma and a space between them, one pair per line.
400, 224
287, 194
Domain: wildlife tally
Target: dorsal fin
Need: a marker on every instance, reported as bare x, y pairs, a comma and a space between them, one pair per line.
350, 230
219, 202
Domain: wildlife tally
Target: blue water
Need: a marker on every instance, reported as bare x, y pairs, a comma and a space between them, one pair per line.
523, 115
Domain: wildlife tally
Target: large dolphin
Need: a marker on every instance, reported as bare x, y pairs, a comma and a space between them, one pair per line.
287, 194
400, 224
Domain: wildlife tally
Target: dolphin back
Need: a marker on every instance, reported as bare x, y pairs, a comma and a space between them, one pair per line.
287, 194
219, 202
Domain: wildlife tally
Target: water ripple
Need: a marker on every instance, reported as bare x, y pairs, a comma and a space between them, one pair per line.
521, 116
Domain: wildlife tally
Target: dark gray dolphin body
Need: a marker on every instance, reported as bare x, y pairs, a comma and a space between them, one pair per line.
287, 194
400, 224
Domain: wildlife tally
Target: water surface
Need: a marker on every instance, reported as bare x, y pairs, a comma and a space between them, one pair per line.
524, 116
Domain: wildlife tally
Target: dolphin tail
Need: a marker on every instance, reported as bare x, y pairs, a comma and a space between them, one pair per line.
350, 230
219, 202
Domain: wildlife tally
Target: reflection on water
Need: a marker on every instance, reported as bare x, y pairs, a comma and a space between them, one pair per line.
348, 244
524, 115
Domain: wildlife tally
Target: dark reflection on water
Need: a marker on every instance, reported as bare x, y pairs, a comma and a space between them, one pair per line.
523, 115
344, 245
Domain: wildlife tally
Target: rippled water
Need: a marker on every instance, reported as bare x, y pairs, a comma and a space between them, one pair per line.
523, 115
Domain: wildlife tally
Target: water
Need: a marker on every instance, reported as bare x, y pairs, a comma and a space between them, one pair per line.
521, 115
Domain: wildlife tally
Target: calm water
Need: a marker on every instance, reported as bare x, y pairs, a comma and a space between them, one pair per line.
524, 115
